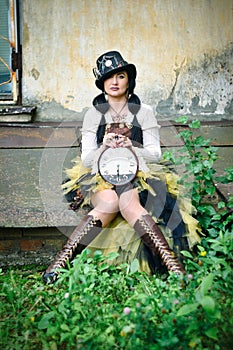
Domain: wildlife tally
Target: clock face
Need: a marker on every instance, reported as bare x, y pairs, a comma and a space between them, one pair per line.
118, 166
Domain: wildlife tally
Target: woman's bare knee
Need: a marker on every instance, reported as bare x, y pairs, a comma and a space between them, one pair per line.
130, 206
106, 201
105, 206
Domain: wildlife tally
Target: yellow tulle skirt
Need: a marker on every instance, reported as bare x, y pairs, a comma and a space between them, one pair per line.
119, 236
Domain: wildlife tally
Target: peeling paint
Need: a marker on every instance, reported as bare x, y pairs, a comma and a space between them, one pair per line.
196, 109
229, 108
53, 111
182, 51
35, 73
203, 89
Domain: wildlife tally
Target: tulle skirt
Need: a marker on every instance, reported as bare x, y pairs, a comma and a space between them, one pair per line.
159, 194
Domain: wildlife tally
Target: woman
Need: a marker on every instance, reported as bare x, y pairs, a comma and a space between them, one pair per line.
132, 219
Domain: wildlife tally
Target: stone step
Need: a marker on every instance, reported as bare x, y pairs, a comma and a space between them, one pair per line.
32, 172
66, 134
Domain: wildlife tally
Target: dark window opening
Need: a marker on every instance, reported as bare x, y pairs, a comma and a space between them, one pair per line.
10, 53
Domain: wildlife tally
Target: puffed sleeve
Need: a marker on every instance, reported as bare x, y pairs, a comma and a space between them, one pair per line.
90, 150
151, 151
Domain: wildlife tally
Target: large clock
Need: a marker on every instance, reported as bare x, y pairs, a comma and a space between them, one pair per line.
118, 166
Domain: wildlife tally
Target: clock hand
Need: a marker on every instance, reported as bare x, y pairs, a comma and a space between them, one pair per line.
118, 172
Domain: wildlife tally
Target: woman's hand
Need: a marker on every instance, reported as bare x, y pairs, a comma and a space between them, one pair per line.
123, 141
113, 140
109, 140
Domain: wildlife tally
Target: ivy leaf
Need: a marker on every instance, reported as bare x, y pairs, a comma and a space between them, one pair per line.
64, 336
187, 254
45, 321
206, 284
182, 120
195, 124
208, 304
212, 333
86, 270
134, 266
64, 327
113, 255
221, 205
187, 309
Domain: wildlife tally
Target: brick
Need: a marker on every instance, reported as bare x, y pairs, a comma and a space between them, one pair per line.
31, 245
54, 244
9, 245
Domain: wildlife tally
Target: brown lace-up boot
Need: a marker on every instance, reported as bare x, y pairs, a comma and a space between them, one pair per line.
155, 240
82, 236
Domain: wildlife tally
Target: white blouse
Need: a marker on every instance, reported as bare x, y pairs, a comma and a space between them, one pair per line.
150, 152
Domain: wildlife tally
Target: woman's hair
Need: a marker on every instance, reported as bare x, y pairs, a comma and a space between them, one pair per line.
102, 105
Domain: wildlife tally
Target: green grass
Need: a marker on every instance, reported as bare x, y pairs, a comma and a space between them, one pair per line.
94, 305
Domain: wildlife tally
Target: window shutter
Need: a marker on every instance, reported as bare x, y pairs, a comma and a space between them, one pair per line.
4, 31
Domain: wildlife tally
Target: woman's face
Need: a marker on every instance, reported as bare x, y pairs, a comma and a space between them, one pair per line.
116, 85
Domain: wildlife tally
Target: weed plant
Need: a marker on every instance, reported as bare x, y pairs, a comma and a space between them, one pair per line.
95, 305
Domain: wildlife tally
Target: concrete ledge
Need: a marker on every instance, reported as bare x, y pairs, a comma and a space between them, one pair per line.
31, 176
34, 218
68, 134
17, 114
30, 191
11, 118
39, 135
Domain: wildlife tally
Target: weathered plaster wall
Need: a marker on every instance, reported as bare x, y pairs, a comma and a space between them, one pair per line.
182, 50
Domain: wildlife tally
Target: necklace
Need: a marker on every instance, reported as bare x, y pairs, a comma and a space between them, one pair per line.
118, 117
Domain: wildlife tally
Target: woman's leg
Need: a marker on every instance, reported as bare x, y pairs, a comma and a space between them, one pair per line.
105, 205
130, 207
105, 209
148, 230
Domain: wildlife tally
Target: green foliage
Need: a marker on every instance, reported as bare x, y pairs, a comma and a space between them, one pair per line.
95, 305
197, 156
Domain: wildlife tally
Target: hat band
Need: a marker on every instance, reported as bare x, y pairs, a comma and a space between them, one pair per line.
107, 64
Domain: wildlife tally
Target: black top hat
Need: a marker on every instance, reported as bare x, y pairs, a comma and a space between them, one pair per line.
110, 63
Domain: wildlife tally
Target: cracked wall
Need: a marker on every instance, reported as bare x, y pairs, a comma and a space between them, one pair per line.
182, 51
204, 89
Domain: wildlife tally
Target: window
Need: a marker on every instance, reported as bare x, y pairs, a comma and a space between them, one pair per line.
10, 53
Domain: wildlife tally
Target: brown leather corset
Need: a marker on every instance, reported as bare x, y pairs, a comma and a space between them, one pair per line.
119, 128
